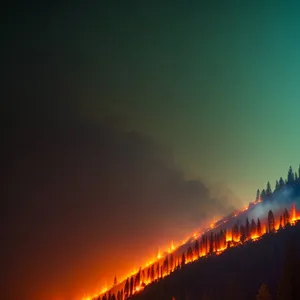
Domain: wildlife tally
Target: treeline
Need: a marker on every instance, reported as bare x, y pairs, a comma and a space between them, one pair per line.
293, 178
209, 244
212, 243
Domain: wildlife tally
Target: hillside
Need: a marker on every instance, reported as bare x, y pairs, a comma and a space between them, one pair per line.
236, 274
236, 254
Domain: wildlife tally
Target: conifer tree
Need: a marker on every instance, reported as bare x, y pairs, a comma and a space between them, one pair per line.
281, 183
271, 221
290, 177
268, 190
131, 286
196, 249
115, 281
253, 227
257, 195
183, 260
258, 227
247, 228
126, 289
277, 186
286, 218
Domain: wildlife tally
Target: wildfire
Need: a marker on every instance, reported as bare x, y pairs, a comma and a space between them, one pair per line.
208, 243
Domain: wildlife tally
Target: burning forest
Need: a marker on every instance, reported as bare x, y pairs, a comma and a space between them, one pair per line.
271, 212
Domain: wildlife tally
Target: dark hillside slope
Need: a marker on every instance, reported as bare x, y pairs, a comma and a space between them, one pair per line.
235, 274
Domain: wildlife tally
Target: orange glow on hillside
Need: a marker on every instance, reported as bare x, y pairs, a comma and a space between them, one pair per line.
209, 242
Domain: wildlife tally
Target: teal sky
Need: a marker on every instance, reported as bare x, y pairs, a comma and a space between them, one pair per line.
218, 83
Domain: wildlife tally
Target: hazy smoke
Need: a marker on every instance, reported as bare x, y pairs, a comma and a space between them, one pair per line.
85, 203
280, 200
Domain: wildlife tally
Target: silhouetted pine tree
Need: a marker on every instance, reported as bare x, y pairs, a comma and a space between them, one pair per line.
235, 232
290, 177
271, 221
157, 270
115, 281
166, 265
269, 189
257, 195
247, 228
277, 186
258, 227
189, 253
243, 234
211, 243
281, 183
183, 260
137, 279
143, 276
119, 295
126, 288
253, 227
196, 248
263, 194
280, 223
171, 262
131, 286
286, 218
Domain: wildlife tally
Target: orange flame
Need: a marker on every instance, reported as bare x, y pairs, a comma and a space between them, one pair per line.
231, 239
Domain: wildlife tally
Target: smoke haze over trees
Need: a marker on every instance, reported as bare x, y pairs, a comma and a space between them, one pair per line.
78, 195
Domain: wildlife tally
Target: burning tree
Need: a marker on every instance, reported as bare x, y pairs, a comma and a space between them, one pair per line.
131, 286
211, 243
166, 265
126, 289
196, 248
171, 262
269, 189
257, 199
243, 234
247, 228
189, 253
152, 273
258, 227
290, 176
271, 221
286, 218
115, 281
137, 280
183, 260
157, 271
253, 228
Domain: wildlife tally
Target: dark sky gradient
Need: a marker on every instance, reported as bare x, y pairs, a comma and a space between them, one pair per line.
127, 119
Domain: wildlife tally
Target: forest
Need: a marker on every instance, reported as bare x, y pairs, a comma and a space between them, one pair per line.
254, 259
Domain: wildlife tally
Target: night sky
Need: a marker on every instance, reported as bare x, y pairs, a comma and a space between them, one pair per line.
129, 123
